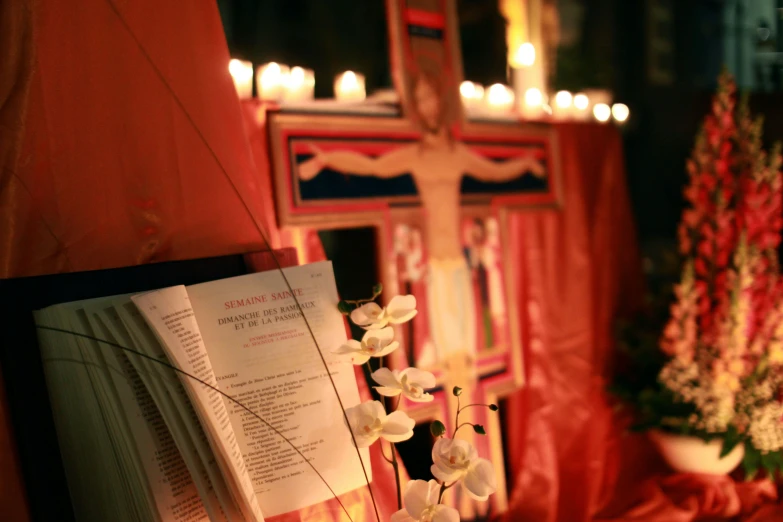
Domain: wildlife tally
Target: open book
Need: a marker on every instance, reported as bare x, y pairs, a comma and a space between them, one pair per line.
141, 441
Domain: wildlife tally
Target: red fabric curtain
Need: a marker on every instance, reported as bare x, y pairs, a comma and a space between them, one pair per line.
134, 149
582, 268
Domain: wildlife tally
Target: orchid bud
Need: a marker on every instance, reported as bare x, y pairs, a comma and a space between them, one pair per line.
437, 429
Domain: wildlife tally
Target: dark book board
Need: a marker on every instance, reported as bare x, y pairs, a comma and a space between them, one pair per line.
20, 360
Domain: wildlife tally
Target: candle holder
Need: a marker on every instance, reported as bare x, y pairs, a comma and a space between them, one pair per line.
242, 73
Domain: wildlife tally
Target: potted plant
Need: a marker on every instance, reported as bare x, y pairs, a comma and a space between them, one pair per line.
716, 398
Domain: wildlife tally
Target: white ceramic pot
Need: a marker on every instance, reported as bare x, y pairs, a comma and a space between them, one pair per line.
693, 455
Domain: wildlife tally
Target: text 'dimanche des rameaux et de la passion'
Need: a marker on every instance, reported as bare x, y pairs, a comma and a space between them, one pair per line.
266, 316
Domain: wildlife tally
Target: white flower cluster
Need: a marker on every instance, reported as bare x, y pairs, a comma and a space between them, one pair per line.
714, 403
454, 461
765, 429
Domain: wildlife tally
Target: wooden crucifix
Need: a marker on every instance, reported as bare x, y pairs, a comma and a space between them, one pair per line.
437, 187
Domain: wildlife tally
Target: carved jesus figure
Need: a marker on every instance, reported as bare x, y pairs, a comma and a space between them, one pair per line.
437, 164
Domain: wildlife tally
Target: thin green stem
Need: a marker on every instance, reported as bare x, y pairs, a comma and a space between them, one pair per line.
472, 405
461, 425
456, 420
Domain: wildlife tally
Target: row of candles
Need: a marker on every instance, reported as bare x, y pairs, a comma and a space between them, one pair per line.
280, 83
563, 105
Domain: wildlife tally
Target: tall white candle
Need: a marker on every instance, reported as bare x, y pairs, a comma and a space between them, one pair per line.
527, 71
349, 87
242, 73
271, 80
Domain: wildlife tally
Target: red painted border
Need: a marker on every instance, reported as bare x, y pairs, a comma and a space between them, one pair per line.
423, 18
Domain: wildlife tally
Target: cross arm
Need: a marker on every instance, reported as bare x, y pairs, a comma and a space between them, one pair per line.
389, 165
488, 170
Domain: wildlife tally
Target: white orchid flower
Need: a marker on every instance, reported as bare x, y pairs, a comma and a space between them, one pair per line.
410, 382
371, 316
455, 459
368, 421
421, 504
375, 343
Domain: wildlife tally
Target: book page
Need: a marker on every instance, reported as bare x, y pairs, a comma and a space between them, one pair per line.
174, 491
264, 356
169, 314
124, 322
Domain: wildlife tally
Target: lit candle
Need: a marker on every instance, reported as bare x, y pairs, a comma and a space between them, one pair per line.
271, 80
620, 112
472, 95
562, 107
602, 112
533, 104
349, 87
581, 106
242, 73
526, 72
500, 98
300, 85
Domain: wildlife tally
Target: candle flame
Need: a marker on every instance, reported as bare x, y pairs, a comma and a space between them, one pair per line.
533, 97
240, 69
602, 112
563, 99
620, 112
525, 55
581, 101
499, 94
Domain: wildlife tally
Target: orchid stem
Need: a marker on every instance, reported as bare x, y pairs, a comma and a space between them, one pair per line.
461, 425
456, 420
387, 459
396, 476
443, 488
472, 405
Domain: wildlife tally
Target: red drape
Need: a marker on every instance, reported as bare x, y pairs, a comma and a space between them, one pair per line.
582, 267
134, 149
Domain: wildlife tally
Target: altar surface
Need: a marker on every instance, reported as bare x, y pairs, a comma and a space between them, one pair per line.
150, 158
